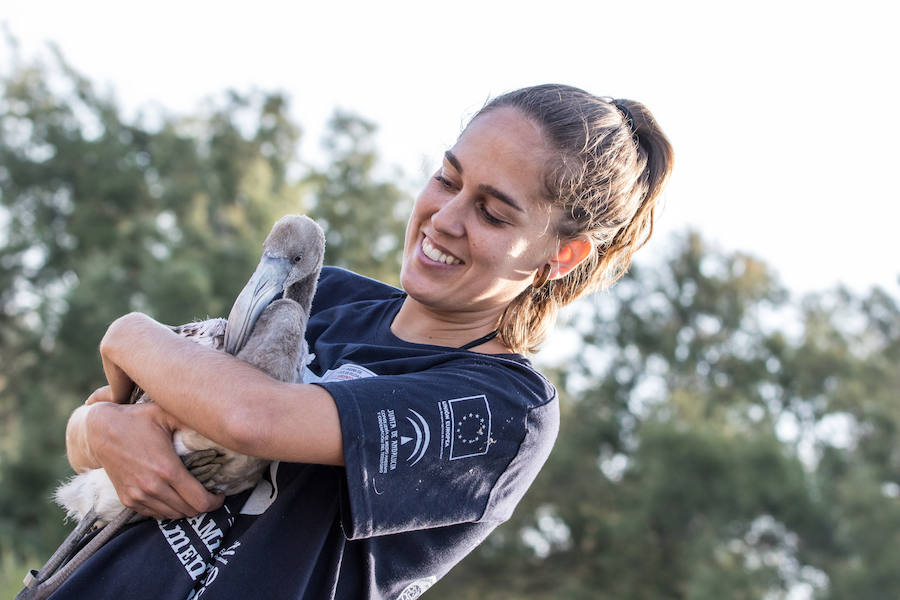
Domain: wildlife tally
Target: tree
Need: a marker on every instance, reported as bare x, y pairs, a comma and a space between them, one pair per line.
364, 218
103, 217
719, 438
100, 216
698, 455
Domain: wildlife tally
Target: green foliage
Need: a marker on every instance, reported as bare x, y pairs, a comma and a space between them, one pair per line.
105, 217
100, 216
11, 574
364, 219
717, 441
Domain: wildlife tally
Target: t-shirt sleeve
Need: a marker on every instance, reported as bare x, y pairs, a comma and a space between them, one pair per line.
457, 444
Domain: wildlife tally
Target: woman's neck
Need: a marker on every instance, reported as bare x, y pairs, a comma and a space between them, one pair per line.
418, 324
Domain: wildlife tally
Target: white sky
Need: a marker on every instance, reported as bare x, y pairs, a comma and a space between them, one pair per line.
784, 115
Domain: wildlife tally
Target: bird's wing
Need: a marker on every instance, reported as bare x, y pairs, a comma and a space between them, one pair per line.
209, 333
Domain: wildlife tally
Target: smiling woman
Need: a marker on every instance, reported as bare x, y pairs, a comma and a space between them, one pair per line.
420, 399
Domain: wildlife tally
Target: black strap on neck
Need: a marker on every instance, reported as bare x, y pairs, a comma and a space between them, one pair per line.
482, 340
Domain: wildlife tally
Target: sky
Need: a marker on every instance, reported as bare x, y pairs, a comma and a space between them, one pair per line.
783, 115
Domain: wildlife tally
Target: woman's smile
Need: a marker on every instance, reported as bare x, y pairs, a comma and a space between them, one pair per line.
437, 254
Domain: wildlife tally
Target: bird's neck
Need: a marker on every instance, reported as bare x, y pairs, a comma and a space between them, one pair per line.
303, 291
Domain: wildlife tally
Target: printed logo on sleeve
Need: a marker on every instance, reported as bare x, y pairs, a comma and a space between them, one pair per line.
395, 443
466, 430
416, 588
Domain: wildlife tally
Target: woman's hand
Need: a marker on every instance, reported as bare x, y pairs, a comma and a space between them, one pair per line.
134, 444
78, 449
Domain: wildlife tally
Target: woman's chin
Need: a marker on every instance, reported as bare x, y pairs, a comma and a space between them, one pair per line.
421, 290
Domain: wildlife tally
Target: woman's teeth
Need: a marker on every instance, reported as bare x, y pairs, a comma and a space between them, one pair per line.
436, 255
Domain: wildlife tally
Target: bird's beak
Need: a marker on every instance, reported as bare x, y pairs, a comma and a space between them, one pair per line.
266, 284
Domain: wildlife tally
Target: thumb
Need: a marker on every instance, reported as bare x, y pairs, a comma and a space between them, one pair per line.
163, 418
102, 394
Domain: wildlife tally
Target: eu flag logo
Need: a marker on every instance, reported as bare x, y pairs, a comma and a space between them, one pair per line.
471, 427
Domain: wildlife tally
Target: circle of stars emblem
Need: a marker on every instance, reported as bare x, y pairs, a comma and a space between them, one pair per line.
470, 428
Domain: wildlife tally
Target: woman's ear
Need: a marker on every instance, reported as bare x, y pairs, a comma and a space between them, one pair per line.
570, 255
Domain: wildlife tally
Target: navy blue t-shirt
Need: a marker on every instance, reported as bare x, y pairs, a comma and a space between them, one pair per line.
440, 444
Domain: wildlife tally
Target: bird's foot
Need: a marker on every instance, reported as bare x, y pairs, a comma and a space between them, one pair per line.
204, 465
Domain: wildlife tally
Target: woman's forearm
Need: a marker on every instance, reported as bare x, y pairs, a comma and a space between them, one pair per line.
223, 398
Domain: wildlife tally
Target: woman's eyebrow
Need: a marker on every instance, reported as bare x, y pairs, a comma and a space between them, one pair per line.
484, 188
453, 161
492, 191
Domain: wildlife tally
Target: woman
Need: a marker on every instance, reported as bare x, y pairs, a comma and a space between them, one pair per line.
419, 424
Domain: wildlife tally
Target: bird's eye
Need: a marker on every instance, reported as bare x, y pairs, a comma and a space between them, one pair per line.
297, 258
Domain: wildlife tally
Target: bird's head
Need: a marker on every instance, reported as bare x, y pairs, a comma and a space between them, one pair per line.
289, 268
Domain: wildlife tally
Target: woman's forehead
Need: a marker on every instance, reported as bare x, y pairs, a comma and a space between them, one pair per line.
509, 122
504, 149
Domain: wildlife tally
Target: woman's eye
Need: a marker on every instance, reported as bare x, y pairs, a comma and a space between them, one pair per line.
443, 181
482, 206
490, 218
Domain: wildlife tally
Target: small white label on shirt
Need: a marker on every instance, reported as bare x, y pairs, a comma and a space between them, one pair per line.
416, 588
345, 372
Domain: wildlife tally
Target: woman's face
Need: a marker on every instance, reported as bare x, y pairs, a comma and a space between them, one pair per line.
481, 229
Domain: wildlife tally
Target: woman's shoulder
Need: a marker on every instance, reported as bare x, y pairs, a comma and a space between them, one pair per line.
338, 286
509, 375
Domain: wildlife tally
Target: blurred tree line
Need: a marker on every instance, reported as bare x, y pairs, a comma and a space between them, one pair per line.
720, 439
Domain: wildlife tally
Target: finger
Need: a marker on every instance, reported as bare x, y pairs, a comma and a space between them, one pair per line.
161, 511
154, 510
170, 505
161, 498
102, 394
193, 492
141, 510
164, 503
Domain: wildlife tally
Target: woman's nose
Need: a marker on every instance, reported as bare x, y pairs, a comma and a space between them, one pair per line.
450, 217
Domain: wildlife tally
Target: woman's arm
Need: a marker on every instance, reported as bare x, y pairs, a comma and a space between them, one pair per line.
221, 397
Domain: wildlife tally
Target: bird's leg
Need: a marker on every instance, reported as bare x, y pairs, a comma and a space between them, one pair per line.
63, 553
43, 586
204, 464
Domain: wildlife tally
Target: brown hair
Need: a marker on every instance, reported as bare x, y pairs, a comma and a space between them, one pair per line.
613, 161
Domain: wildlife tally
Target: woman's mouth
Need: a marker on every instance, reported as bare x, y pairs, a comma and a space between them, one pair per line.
436, 255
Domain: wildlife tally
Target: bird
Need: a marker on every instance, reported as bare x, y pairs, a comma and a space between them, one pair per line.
265, 328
